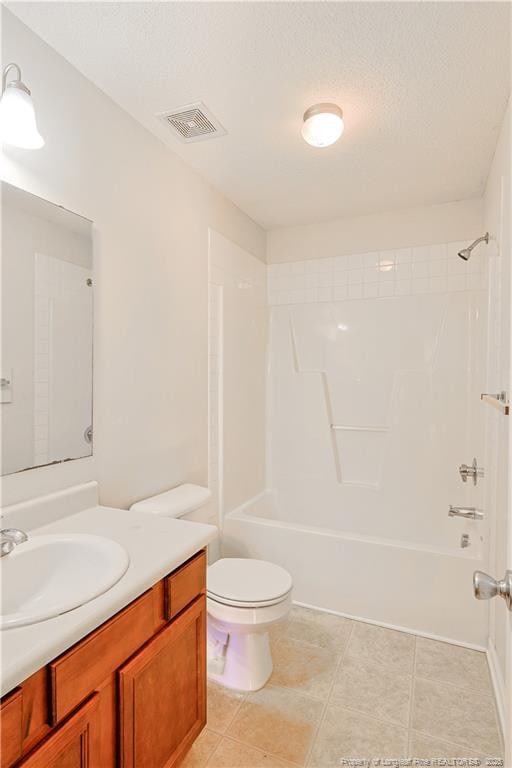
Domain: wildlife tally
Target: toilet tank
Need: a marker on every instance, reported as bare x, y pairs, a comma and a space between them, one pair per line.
188, 501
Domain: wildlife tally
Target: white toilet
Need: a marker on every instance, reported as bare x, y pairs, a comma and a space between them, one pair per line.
244, 598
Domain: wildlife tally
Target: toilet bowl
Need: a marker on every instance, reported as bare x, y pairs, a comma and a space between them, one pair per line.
244, 598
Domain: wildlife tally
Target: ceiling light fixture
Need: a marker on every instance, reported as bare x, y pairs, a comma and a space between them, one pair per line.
18, 125
323, 125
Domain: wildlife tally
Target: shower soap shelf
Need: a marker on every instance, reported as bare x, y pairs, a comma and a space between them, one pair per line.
499, 401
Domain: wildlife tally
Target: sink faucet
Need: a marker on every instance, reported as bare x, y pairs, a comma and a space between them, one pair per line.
10, 538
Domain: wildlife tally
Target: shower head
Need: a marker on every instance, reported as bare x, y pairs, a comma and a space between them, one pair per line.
466, 252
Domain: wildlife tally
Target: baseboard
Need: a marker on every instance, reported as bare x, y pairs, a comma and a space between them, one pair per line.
471, 646
498, 685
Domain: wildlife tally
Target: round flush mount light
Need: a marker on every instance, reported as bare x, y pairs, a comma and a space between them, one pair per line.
18, 125
323, 125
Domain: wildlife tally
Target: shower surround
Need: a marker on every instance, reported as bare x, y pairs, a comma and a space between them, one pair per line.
375, 367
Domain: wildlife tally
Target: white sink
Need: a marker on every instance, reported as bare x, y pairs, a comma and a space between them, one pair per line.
51, 574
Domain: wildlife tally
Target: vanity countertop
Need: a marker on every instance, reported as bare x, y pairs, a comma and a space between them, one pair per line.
156, 546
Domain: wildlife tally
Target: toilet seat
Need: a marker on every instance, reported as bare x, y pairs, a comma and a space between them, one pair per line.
247, 583
239, 604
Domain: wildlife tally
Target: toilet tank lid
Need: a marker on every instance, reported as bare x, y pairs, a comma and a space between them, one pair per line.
176, 502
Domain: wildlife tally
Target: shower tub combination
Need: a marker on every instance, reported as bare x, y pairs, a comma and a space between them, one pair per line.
375, 368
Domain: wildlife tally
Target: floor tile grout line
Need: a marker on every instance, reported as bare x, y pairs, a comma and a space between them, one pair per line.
366, 716
328, 699
325, 705
214, 749
488, 689
371, 715
269, 686
317, 649
280, 687
447, 741
435, 736
312, 646
235, 713
455, 743
341, 659
488, 693
501, 734
257, 749
411, 698
485, 692
413, 678
226, 691
409, 742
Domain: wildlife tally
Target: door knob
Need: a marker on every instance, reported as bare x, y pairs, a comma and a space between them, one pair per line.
486, 587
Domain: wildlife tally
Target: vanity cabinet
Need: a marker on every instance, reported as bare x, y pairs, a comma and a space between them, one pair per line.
11, 716
160, 720
71, 744
130, 694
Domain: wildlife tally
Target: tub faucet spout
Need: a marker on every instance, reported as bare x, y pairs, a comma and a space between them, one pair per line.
471, 513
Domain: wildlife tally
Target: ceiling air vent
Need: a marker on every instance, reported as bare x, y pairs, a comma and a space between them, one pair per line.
194, 122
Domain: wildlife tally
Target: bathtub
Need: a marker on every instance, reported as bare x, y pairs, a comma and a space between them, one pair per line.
396, 584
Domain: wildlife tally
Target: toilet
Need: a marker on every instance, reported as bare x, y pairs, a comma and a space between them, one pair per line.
245, 597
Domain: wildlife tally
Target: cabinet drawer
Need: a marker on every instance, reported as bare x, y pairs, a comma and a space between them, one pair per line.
185, 584
77, 673
11, 715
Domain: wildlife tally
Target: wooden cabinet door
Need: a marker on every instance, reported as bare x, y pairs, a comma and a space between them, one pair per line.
71, 745
11, 720
162, 693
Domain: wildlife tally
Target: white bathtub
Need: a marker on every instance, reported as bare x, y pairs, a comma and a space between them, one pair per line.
393, 583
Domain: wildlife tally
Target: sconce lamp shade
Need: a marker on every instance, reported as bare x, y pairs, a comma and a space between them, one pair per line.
18, 125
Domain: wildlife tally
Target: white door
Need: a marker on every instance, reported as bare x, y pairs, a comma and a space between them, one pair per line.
498, 457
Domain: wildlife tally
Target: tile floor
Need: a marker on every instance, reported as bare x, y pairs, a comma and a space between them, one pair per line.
343, 689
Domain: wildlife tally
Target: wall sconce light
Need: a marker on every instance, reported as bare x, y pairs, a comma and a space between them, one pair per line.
17, 115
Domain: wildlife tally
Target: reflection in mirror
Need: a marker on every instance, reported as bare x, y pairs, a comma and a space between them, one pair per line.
46, 365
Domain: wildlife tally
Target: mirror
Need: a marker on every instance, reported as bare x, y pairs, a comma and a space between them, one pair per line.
46, 363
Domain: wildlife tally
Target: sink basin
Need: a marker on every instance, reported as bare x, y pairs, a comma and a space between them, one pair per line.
51, 574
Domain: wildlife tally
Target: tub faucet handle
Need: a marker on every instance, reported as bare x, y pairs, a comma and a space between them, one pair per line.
472, 471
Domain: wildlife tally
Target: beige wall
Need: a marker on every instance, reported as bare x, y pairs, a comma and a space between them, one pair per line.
238, 373
151, 216
497, 220
404, 228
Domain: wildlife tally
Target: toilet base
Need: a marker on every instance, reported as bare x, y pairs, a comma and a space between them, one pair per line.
247, 661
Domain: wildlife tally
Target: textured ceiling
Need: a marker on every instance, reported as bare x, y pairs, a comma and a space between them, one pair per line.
423, 87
